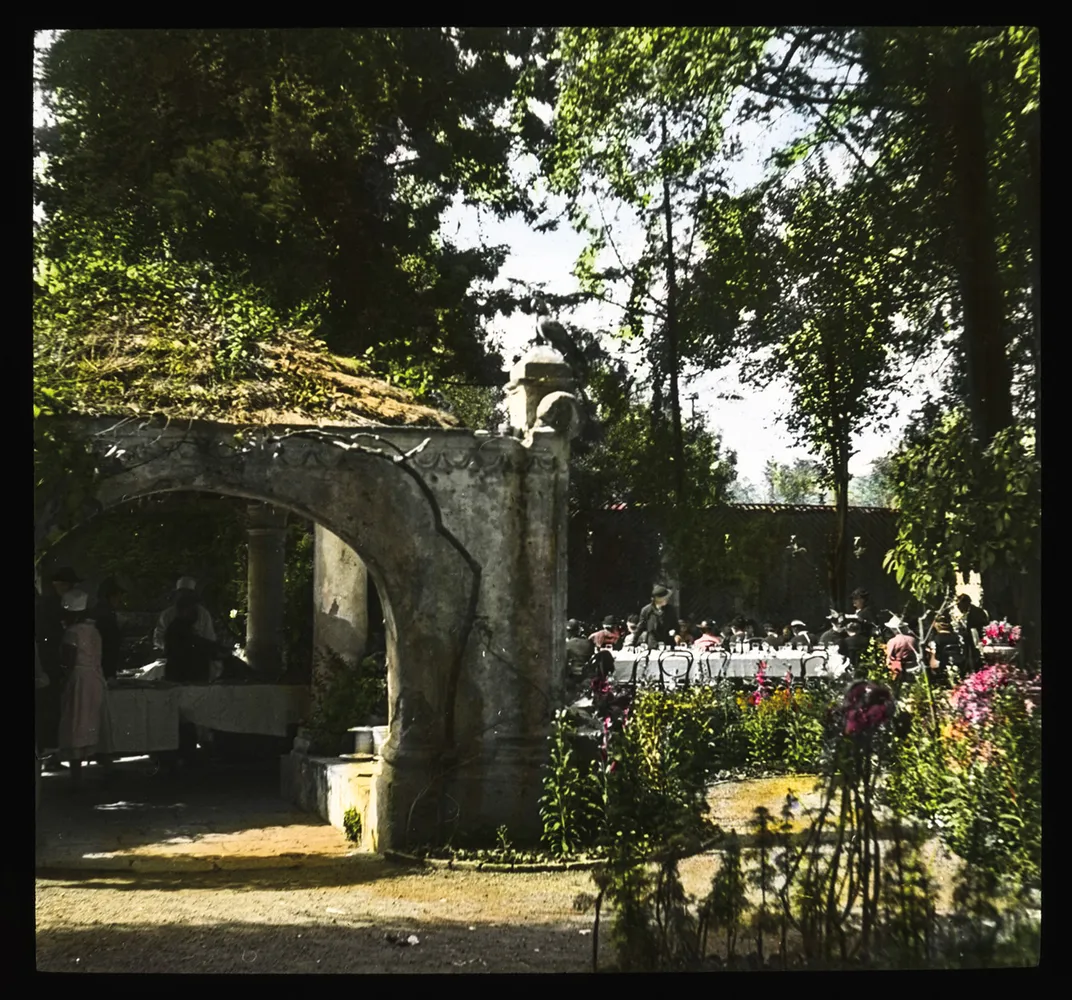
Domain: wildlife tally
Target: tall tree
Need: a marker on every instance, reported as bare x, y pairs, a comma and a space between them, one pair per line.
314, 165
637, 126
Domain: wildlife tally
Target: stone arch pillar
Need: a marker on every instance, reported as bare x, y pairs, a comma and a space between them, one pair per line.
340, 605
265, 592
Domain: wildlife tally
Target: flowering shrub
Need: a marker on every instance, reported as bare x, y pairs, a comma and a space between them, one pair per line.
1001, 634
970, 764
973, 698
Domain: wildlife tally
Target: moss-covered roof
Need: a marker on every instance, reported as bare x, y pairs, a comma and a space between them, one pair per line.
292, 379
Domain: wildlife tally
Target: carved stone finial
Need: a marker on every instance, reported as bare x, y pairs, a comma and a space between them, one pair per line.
540, 373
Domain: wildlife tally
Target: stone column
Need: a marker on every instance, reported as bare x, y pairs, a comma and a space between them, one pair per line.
265, 595
340, 604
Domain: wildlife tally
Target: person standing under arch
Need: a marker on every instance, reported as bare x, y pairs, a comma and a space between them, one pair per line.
84, 729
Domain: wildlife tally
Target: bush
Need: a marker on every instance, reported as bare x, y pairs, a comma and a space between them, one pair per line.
349, 698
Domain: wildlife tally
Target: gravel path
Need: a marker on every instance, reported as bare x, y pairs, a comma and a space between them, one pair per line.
313, 920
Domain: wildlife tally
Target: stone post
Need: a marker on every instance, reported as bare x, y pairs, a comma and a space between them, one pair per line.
340, 605
265, 595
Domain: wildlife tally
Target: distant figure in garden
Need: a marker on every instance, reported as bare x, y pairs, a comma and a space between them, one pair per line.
84, 722
48, 633
856, 642
802, 638
607, 637
971, 623
945, 649
203, 626
578, 651
109, 595
902, 654
835, 632
191, 658
865, 614
709, 638
658, 619
631, 638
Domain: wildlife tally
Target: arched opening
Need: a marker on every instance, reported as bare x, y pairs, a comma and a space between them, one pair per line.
462, 537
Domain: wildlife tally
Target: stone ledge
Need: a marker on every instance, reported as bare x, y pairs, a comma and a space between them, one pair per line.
329, 786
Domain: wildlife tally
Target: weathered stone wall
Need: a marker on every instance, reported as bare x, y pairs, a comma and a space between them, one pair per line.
465, 541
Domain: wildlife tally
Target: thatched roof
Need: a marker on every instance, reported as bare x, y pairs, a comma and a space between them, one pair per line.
292, 379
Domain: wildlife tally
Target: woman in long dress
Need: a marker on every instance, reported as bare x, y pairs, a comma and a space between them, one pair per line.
84, 719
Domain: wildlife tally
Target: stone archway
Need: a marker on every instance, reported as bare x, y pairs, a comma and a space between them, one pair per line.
464, 535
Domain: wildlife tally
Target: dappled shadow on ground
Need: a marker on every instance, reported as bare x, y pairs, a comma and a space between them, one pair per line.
353, 947
137, 806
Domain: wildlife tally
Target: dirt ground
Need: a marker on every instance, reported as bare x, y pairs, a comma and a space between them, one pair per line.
325, 919
126, 890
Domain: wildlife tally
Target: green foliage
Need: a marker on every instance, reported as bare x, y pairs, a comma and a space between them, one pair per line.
797, 483
311, 167
352, 825
573, 804
978, 783
349, 697
964, 507
629, 462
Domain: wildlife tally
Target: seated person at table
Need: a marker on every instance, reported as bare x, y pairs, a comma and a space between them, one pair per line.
802, 638
578, 650
685, 633
835, 634
709, 638
855, 643
631, 637
786, 638
656, 618
607, 637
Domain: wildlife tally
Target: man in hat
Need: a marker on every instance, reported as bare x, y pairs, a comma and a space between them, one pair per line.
865, 614
203, 624
631, 638
658, 619
48, 633
607, 637
971, 623
901, 651
709, 638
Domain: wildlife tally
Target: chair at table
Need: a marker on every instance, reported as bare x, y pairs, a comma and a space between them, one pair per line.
806, 658
672, 653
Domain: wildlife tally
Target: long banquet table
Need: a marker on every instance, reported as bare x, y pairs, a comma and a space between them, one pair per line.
675, 666
145, 717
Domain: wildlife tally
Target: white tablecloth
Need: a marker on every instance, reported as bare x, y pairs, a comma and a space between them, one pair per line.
267, 709
674, 665
146, 718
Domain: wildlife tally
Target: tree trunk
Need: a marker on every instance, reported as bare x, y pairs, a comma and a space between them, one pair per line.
671, 335
841, 498
985, 334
